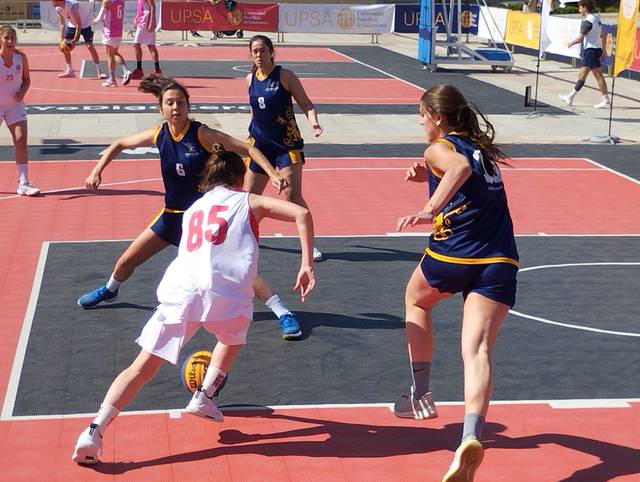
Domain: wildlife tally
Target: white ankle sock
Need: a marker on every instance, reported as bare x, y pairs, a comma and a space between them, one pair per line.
105, 416
212, 380
23, 173
277, 306
113, 284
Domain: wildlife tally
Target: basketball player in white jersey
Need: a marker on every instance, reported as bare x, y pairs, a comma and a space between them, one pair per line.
75, 21
209, 284
14, 83
111, 15
591, 39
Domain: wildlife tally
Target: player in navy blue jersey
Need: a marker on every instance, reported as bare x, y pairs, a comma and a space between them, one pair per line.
275, 132
185, 146
471, 250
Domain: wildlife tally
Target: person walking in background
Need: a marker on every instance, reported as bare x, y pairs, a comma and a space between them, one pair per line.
14, 83
209, 284
75, 21
471, 250
145, 24
591, 39
112, 17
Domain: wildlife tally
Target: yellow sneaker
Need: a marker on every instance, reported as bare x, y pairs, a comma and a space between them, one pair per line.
465, 462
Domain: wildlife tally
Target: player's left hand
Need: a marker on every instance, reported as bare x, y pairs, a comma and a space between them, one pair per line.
317, 129
305, 282
279, 182
422, 217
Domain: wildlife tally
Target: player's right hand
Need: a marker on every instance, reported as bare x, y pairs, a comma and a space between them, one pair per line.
305, 282
416, 173
279, 182
93, 181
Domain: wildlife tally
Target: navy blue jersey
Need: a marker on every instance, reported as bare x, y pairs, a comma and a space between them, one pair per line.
181, 159
475, 226
273, 123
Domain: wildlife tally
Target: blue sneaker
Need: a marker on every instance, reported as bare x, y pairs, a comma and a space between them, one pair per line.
290, 327
97, 296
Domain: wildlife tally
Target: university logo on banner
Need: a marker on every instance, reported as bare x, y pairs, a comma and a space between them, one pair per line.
626, 36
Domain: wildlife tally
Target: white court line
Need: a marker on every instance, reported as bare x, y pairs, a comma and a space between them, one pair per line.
177, 413
23, 339
381, 71
613, 171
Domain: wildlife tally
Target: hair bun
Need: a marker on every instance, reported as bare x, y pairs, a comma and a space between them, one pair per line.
217, 148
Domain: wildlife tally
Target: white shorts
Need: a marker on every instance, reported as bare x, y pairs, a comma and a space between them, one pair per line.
163, 337
111, 41
13, 114
144, 37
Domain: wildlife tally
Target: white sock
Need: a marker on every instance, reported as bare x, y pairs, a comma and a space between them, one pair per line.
277, 306
212, 380
605, 98
23, 173
105, 416
572, 94
69, 68
98, 68
125, 69
113, 284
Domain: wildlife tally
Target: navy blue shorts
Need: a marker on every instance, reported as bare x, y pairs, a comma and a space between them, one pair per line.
591, 58
496, 281
168, 226
86, 33
279, 159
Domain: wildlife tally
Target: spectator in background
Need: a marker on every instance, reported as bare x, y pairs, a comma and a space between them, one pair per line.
591, 39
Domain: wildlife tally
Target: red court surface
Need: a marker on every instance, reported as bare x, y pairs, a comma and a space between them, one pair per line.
527, 442
47, 88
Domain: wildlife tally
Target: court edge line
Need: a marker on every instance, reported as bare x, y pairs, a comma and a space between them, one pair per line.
21, 348
383, 235
587, 403
613, 171
379, 70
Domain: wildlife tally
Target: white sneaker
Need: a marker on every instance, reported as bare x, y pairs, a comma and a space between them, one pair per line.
408, 407
602, 104
101, 75
67, 74
88, 447
317, 254
465, 462
567, 99
204, 407
27, 190
126, 77
109, 83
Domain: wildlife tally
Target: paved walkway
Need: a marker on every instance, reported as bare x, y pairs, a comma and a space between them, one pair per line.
518, 127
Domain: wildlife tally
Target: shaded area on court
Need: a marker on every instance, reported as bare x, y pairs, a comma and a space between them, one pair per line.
622, 158
224, 69
353, 349
490, 98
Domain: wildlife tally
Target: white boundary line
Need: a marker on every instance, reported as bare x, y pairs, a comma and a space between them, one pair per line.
177, 413
613, 171
21, 348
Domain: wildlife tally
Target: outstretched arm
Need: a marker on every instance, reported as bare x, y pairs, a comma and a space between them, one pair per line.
110, 153
269, 207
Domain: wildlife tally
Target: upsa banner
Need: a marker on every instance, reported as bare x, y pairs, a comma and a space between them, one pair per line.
408, 18
635, 65
523, 29
255, 17
336, 18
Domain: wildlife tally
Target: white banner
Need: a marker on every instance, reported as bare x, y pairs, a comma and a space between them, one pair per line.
336, 18
545, 40
49, 17
492, 23
561, 31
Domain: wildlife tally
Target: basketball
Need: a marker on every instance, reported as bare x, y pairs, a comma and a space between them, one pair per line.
194, 368
65, 46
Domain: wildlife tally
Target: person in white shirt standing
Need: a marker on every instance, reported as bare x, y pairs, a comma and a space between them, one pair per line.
14, 83
209, 285
75, 21
145, 24
591, 39
112, 17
